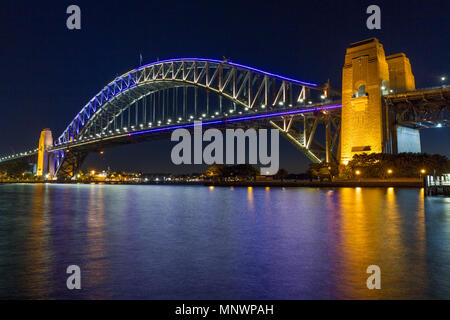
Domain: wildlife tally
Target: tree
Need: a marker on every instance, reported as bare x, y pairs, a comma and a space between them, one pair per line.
323, 170
242, 171
16, 169
216, 171
383, 165
281, 174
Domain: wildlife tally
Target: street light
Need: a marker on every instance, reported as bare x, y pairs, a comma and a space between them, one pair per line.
422, 172
358, 173
389, 171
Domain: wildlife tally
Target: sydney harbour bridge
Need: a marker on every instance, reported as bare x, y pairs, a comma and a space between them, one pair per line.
378, 109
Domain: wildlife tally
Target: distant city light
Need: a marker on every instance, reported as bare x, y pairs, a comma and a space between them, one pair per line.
389, 171
357, 172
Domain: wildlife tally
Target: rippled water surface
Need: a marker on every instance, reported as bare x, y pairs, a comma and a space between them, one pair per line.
195, 242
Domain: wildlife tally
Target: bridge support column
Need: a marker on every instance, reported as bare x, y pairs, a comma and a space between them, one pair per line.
44, 163
367, 126
327, 141
401, 80
408, 140
365, 72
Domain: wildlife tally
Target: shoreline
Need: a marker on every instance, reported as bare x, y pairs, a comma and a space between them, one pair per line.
270, 183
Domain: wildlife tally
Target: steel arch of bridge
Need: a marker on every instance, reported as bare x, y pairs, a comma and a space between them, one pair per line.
164, 95
148, 93
248, 88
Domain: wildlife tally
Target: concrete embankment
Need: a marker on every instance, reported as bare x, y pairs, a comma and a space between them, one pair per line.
324, 184
266, 183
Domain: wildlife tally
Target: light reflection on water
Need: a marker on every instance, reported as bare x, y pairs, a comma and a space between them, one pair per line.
193, 242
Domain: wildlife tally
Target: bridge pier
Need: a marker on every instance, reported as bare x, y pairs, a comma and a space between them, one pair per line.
45, 159
368, 126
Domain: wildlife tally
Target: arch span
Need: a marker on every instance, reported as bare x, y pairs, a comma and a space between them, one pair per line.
246, 87
177, 92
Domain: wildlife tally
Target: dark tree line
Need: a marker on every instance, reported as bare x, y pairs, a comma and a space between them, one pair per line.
16, 169
382, 165
404, 165
241, 171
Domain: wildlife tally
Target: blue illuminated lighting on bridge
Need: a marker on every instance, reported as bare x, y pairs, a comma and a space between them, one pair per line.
283, 113
231, 64
252, 117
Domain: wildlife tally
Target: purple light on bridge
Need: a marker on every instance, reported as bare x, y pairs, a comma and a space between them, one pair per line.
283, 113
131, 84
231, 64
252, 117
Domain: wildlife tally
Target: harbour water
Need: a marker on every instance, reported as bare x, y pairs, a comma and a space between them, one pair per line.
196, 242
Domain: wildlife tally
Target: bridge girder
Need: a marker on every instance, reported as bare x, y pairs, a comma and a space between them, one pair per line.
302, 132
420, 109
68, 163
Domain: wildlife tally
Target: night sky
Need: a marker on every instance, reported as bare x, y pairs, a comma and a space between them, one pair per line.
50, 72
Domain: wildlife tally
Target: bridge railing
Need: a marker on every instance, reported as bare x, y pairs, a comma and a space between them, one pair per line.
18, 155
433, 181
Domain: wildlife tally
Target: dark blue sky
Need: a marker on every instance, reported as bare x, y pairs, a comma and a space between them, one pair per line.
49, 72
